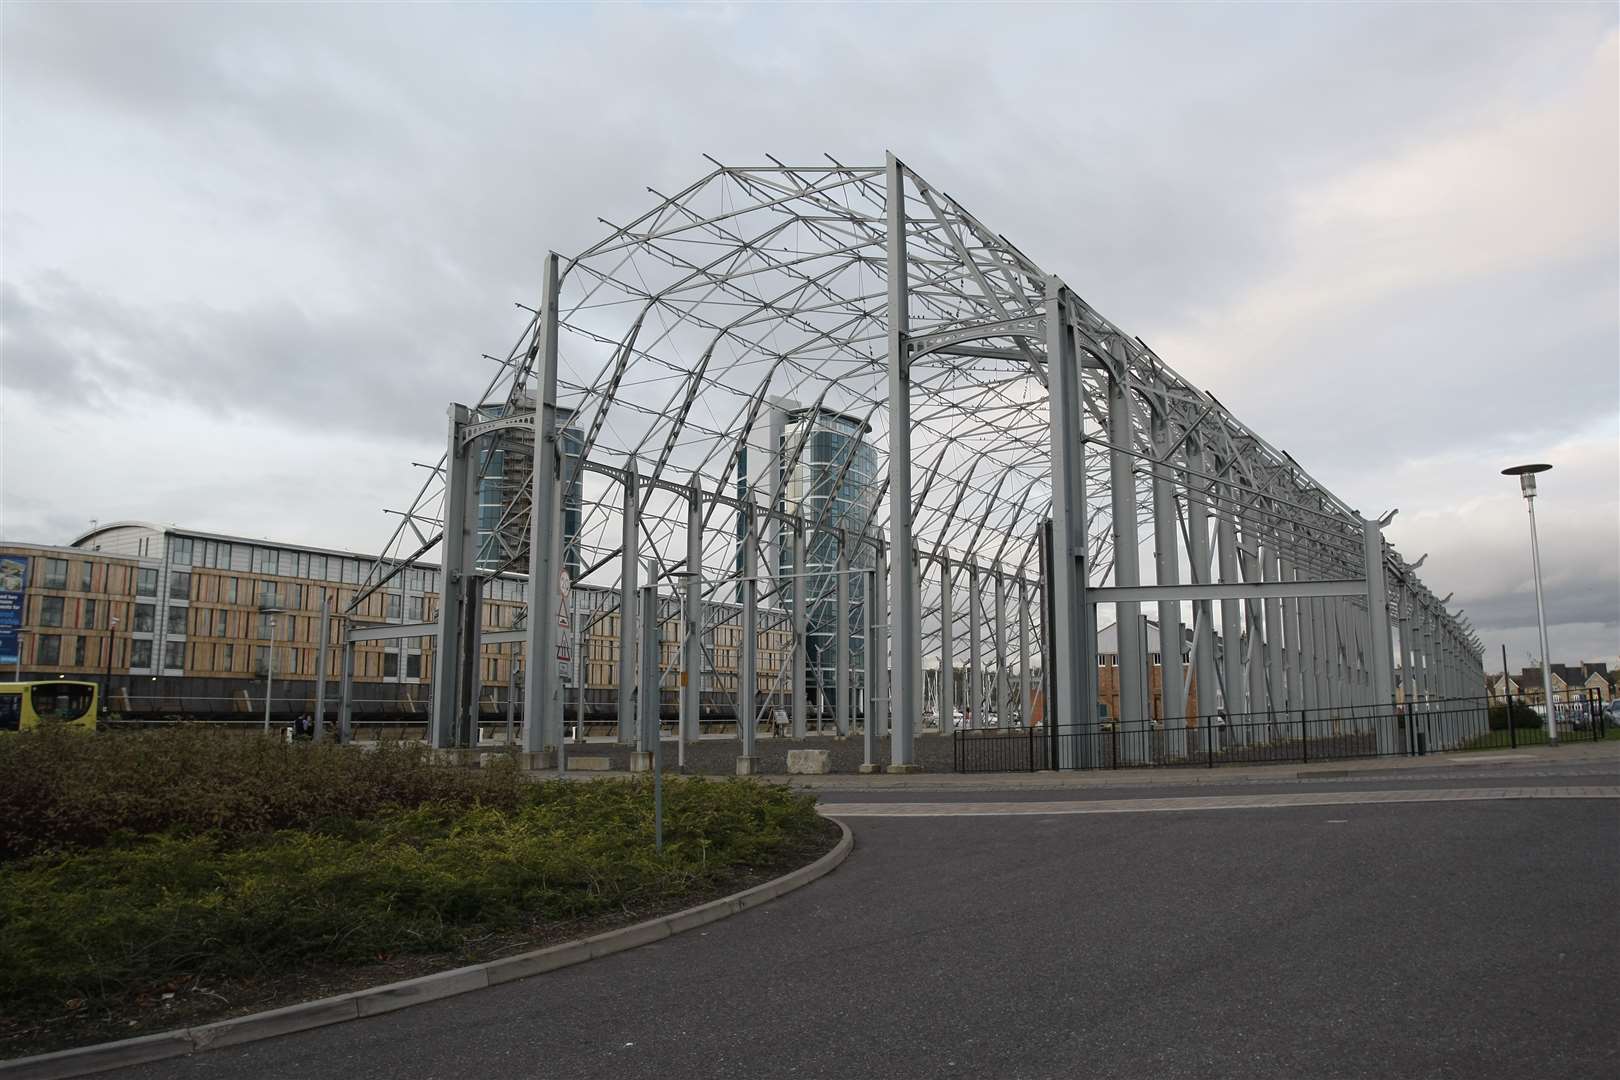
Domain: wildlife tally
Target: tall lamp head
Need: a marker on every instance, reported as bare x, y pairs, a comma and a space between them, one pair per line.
1527, 477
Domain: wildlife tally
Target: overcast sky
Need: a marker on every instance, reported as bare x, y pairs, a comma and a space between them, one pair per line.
249, 253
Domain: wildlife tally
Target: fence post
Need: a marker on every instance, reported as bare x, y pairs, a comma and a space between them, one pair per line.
1304, 739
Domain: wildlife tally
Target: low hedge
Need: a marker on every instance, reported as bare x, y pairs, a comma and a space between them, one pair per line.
88, 924
62, 789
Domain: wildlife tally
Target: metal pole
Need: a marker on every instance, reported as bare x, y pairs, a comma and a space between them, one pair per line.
874, 664
578, 633
689, 727
1071, 669
1127, 560
1507, 694
798, 684
1541, 615
905, 625
652, 705
975, 696
945, 698
747, 674
630, 568
841, 688
320, 667
270, 673
511, 696
345, 685
542, 687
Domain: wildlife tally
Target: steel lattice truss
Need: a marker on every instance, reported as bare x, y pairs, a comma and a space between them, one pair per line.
678, 330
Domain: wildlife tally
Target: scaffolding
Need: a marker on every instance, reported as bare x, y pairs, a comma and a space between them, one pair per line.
1012, 463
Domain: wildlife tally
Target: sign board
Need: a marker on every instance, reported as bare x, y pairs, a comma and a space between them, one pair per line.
565, 637
13, 593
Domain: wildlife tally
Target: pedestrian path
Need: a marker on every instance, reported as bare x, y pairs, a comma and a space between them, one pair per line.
1210, 802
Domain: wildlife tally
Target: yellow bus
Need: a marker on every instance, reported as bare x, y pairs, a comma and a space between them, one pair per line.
26, 705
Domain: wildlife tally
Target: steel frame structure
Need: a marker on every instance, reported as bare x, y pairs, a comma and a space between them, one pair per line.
1032, 450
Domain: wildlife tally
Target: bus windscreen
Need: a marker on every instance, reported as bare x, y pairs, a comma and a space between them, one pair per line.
67, 702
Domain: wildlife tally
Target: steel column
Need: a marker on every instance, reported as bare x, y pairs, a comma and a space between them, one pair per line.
946, 698
542, 690
691, 728
629, 582
841, 689
1072, 672
905, 628
1167, 571
1025, 703
800, 653
320, 667
747, 660
459, 547
975, 709
1133, 699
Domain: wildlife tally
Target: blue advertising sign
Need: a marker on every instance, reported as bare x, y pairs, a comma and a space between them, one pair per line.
13, 583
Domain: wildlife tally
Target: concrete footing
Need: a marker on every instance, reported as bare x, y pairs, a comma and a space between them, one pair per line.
809, 762
641, 761
747, 766
903, 769
868, 770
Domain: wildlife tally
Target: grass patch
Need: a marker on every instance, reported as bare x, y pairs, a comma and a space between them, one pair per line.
251, 864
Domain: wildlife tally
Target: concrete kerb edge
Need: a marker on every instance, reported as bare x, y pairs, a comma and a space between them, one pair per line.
85, 1060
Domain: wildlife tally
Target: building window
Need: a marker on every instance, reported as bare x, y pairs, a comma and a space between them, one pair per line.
180, 586
180, 551
289, 564
140, 655
390, 664
291, 658
227, 657
393, 605
177, 622
48, 650
416, 609
267, 625
84, 576
78, 652
413, 666
219, 623
230, 591
50, 611
55, 573
145, 618
317, 567
295, 595
261, 659
174, 654
269, 595
89, 615
146, 581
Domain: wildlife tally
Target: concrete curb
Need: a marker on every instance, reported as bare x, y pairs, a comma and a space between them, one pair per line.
401, 995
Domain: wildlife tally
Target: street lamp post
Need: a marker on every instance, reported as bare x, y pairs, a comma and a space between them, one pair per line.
270, 665
106, 681
1527, 485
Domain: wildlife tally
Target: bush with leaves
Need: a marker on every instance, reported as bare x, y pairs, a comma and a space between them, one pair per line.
146, 859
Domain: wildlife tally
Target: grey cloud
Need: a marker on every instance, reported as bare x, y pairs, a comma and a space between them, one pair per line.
78, 350
426, 157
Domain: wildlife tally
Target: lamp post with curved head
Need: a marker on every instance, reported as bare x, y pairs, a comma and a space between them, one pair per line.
1527, 485
270, 662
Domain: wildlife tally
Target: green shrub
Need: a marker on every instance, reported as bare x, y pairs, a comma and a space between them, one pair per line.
151, 858
1523, 717
59, 789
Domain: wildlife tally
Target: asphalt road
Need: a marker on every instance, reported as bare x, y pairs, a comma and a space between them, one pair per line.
1468, 940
